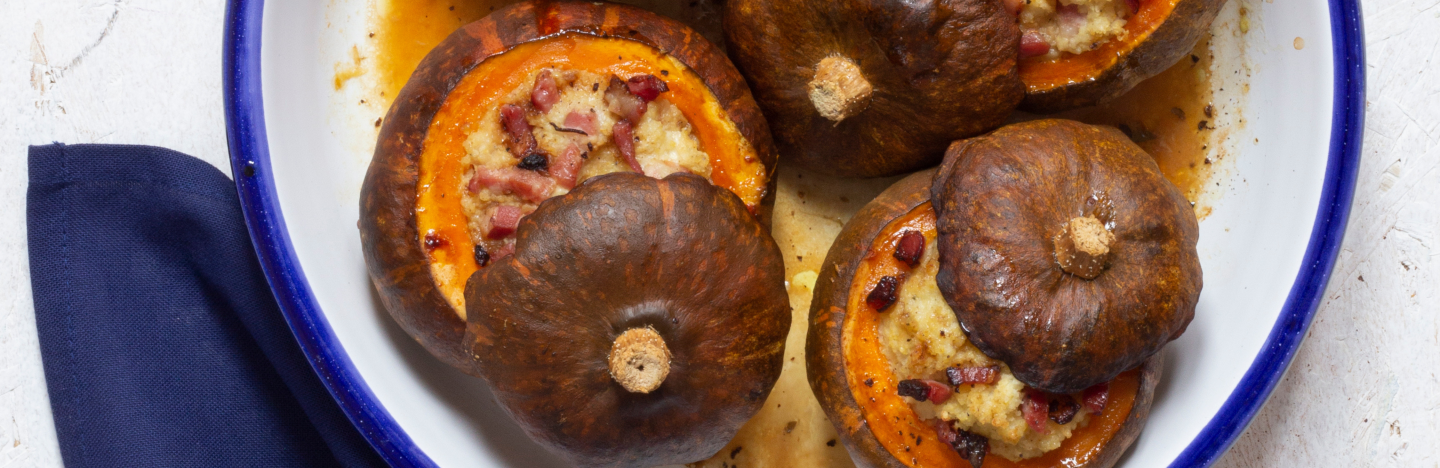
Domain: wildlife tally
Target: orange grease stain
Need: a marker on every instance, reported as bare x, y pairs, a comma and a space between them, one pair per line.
406, 30
1165, 112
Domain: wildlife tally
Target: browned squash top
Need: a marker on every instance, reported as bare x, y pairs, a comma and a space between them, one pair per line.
640, 322
1064, 252
866, 88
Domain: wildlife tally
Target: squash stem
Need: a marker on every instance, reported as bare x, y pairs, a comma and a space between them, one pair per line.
1082, 248
839, 89
639, 360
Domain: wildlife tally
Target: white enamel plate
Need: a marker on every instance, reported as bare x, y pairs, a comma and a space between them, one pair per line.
1267, 247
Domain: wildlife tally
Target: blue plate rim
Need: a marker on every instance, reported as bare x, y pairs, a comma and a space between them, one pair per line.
250, 165
1347, 128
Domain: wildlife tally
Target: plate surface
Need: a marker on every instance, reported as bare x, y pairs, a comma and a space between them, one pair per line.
300, 149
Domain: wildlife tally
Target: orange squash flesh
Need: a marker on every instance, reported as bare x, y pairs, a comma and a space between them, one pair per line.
1041, 74
892, 420
734, 164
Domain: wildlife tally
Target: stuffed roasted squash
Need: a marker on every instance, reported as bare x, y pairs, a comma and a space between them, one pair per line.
522, 106
1077, 53
904, 385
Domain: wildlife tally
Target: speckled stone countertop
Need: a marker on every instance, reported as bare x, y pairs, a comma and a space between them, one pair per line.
1361, 392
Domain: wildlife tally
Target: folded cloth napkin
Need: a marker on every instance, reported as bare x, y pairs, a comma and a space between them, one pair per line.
161, 341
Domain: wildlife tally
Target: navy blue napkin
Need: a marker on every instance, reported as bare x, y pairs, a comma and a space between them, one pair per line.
161, 341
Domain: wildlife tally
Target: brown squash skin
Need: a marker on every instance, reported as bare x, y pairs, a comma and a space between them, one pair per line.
391, 241
1167, 44
623, 251
824, 354
940, 71
825, 358
1150, 371
1000, 201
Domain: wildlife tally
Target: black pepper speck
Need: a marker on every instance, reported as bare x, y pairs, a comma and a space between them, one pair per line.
537, 162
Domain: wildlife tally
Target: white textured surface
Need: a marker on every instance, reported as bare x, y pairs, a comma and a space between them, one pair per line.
88, 71
1363, 390
1363, 387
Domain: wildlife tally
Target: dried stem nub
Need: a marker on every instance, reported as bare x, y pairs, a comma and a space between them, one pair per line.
639, 360
839, 89
1083, 247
